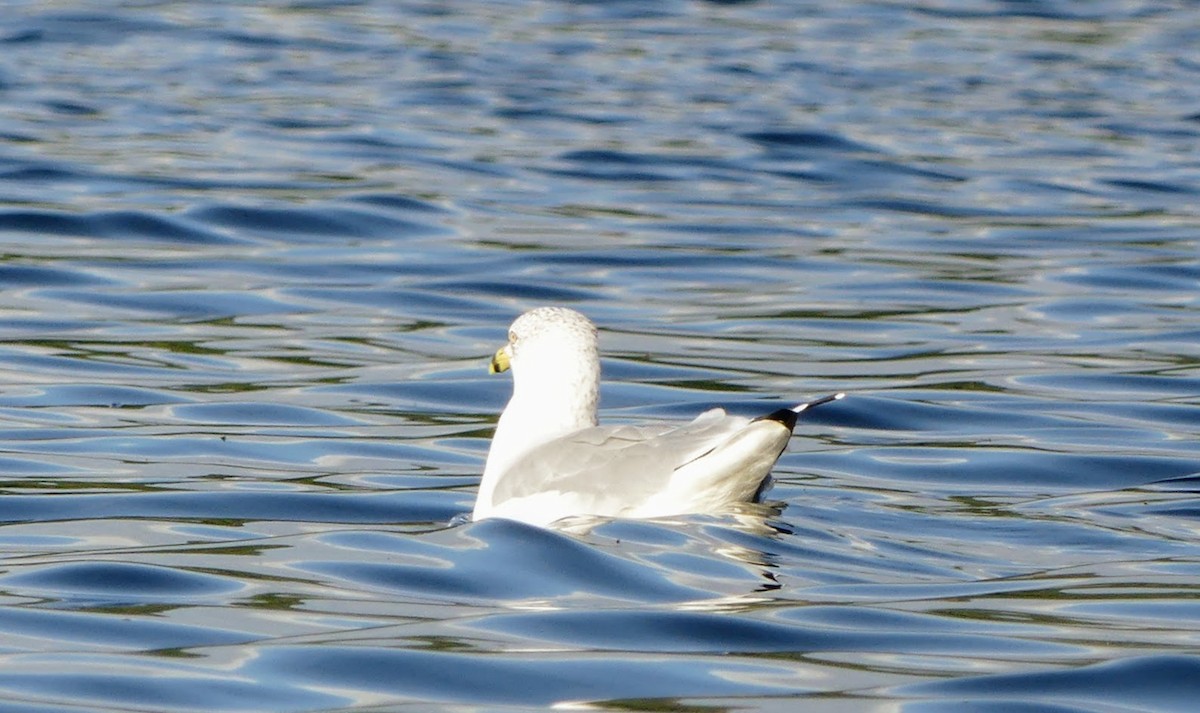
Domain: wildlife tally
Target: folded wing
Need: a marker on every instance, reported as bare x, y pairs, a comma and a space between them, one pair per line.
641, 471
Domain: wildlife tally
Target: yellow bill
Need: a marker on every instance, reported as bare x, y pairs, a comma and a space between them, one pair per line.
500, 361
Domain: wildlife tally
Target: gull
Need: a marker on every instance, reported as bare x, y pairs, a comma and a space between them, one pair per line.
550, 460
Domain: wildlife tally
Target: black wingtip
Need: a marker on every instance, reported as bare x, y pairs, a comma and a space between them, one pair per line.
788, 416
817, 402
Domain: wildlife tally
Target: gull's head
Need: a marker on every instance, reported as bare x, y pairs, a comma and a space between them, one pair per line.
548, 341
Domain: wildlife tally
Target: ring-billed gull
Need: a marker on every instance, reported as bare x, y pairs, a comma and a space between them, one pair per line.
549, 459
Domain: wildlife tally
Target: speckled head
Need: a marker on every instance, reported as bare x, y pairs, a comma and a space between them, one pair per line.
558, 322
550, 333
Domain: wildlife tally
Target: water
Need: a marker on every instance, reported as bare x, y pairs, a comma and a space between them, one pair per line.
254, 261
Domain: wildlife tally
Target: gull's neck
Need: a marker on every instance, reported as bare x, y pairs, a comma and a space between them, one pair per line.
552, 397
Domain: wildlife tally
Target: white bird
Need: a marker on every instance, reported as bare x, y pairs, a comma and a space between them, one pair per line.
550, 460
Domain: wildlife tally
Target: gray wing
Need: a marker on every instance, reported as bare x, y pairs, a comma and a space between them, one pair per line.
629, 462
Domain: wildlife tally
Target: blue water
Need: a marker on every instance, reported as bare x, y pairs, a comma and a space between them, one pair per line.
253, 261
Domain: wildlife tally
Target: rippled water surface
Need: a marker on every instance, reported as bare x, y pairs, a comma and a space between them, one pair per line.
253, 261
